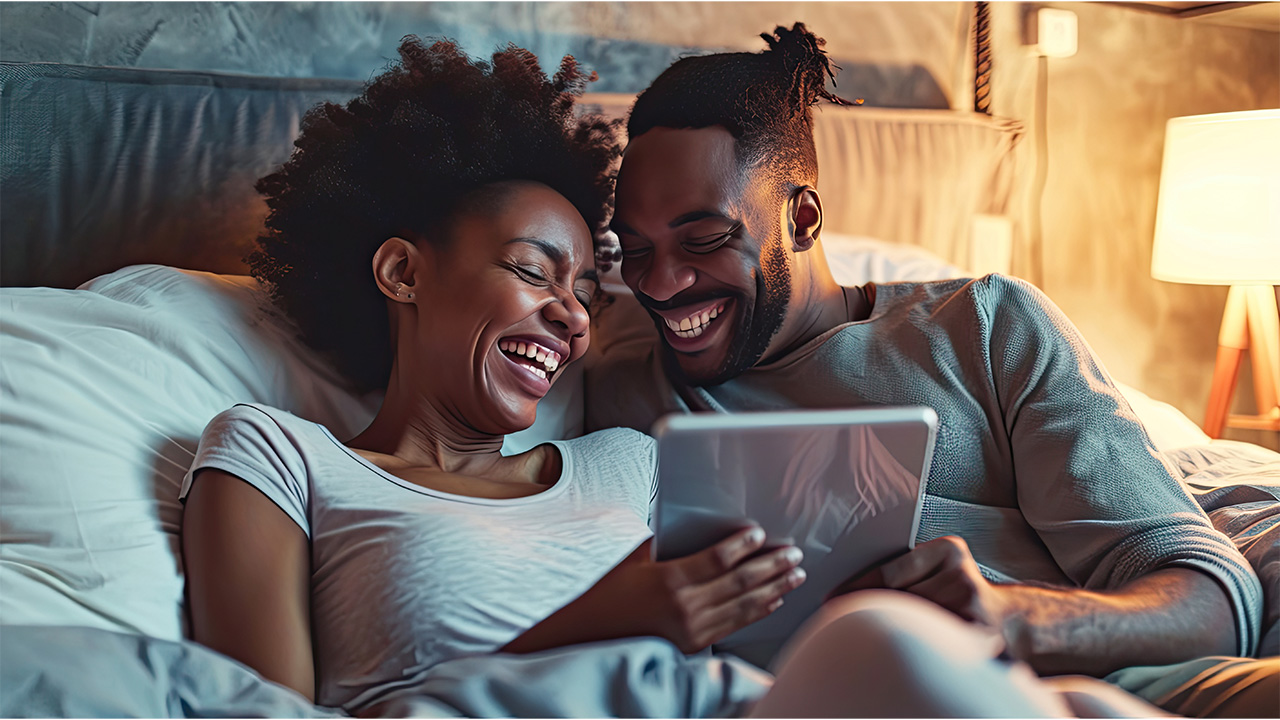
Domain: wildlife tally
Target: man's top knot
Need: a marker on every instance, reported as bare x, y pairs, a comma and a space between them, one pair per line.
801, 58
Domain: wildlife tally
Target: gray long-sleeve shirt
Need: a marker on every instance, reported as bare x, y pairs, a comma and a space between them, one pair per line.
1040, 464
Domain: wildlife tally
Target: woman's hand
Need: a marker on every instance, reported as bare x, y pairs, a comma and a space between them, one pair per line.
698, 600
692, 601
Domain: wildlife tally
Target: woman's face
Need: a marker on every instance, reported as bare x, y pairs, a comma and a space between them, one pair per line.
503, 307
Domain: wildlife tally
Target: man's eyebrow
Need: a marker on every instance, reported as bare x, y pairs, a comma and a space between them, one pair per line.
621, 228
695, 216
549, 249
591, 275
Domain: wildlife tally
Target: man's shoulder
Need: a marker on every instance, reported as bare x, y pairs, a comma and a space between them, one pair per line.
946, 301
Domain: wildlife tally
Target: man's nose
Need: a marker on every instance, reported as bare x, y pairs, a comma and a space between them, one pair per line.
668, 275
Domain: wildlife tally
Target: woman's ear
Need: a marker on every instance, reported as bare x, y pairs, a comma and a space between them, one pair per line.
806, 217
396, 267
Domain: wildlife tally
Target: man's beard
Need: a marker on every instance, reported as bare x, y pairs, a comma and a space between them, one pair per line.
756, 324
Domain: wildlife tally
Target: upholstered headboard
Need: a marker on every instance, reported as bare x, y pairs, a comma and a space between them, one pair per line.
105, 167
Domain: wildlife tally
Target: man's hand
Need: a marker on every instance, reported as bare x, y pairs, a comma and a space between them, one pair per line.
944, 571
1166, 616
692, 601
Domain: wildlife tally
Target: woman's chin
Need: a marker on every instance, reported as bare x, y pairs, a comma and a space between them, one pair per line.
511, 420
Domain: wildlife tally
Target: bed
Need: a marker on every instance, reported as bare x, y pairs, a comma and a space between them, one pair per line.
126, 323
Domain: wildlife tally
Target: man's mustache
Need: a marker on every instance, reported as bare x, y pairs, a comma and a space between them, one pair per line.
684, 299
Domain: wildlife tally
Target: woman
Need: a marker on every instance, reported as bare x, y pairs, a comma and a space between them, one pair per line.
434, 239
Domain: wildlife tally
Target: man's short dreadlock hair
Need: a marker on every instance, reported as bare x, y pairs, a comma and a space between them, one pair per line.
399, 160
763, 99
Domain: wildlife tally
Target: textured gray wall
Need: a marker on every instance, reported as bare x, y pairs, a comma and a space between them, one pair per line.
1104, 111
627, 43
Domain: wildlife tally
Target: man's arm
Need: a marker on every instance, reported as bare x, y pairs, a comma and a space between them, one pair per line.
1154, 582
1166, 616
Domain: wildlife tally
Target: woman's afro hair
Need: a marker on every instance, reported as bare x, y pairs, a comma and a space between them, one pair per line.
763, 99
397, 161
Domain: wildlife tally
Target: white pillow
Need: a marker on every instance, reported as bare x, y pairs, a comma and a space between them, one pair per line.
104, 392
857, 260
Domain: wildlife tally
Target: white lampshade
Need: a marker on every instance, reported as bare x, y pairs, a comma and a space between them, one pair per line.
1218, 219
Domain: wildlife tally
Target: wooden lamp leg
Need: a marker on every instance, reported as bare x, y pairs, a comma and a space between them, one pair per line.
1251, 322
1264, 346
1233, 340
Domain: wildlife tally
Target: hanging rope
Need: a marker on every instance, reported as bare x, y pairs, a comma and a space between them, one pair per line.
981, 58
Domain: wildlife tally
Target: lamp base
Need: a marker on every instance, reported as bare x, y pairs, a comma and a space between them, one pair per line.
1249, 322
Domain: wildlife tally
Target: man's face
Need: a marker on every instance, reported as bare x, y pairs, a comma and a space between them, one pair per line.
702, 251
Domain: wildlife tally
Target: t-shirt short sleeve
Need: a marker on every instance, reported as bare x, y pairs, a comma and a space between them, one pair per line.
248, 443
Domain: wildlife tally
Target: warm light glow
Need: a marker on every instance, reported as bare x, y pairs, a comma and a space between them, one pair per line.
1218, 220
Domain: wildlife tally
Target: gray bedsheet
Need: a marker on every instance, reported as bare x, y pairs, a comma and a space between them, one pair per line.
89, 672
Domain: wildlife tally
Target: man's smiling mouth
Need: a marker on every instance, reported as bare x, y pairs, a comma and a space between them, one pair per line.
693, 323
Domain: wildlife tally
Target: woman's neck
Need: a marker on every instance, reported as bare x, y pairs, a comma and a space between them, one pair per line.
418, 432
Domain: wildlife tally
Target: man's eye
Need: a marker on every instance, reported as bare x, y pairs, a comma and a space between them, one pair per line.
631, 252
708, 244
585, 300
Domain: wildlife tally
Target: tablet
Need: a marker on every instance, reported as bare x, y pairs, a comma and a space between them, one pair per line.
845, 486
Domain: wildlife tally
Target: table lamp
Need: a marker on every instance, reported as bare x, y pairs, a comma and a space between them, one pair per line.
1218, 223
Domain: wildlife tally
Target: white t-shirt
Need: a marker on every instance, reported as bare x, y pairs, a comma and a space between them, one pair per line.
404, 577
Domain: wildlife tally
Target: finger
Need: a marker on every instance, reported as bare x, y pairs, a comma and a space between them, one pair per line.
926, 560
952, 591
753, 573
752, 606
722, 557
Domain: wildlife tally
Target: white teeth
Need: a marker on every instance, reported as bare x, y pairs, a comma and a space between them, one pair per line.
694, 325
549, 358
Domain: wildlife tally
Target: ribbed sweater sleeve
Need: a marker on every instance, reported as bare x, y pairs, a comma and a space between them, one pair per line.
1089, 480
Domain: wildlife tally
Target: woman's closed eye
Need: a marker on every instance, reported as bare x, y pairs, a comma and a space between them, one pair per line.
531, 274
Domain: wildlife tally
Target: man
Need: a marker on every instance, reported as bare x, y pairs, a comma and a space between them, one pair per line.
1049, 515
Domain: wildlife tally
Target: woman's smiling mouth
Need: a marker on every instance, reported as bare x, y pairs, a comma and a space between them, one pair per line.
538, 360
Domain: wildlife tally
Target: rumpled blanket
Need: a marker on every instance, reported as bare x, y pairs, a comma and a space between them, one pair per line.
1238, 485
90, 672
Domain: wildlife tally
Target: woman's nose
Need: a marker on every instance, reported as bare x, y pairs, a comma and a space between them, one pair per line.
568, 313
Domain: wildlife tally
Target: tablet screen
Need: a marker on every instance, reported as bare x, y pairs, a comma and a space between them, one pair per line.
845, 486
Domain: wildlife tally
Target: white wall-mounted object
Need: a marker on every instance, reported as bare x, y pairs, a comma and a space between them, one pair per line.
1051, 32
991, 247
